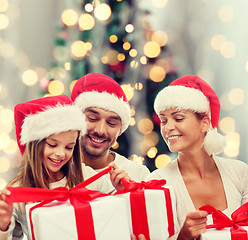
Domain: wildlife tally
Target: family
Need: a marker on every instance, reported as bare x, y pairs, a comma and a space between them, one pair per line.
64, 141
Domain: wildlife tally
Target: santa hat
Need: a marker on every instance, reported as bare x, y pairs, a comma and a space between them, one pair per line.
192, 93
40, 118
99, 90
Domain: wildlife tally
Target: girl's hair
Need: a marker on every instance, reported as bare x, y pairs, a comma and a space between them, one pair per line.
33, 172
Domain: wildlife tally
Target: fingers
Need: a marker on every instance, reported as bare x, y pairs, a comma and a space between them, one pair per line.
3, 194
195, 224
140, 237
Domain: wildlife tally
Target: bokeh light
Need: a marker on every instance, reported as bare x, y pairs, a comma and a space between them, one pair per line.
157, 74
29, 77
56, 87
86, 22
226, 13
162, 160
69, 17
236, 96
128, 90
233, 144
145, 126
102, 12
78, 49
152, 49
4, 21
227, 124
160, 37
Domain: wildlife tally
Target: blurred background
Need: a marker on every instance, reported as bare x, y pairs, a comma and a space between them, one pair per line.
45, 46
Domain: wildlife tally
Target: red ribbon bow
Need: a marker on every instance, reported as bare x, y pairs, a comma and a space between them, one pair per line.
238, 218
78, 196
138, 204
131, 186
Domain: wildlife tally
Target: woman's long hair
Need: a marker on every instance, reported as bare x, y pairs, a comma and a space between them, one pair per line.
33, 172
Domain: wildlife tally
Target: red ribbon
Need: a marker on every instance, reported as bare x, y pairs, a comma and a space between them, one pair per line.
238, 218
78, 196
138, 205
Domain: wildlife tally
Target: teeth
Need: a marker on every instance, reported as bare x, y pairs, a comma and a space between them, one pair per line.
97, 140
56, 161
172, 137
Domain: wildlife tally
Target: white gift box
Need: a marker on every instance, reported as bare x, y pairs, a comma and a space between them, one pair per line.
57, 220
156, 211
223, 234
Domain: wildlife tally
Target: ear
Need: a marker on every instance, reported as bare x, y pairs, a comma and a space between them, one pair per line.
120, 133
205, 124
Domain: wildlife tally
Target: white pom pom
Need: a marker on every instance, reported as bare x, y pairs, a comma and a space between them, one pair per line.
214, 142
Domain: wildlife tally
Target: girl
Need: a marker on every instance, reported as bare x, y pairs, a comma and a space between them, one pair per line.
47, 132
187, 108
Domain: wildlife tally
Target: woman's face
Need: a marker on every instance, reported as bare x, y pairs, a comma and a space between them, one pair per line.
58, 151
182, 130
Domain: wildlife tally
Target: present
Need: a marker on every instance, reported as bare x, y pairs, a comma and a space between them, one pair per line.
225, 228
76, 213
151, 208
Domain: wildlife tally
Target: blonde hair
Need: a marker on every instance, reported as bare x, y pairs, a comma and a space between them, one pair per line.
33, 172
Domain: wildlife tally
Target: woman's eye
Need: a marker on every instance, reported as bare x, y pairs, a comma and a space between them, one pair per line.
179, 119
51, 145
69, 148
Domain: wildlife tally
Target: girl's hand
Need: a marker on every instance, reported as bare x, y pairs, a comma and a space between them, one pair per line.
140, 237
116, 175
194, 225
6, 211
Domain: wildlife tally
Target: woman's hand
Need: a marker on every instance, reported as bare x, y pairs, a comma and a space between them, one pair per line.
116, 175
6, 211
140, 237
194, 225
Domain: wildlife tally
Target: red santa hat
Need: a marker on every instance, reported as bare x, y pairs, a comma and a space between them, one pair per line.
192, 93
99, 90
40, 118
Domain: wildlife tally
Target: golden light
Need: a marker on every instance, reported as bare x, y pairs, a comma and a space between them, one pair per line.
6, 115
11, 148
162, 160
57, 73
67, 66
226, 13
228, 49
128, 90
143, 60
217, 41
29, 77
112, 57
152, 49
113, 38
78, 49
152, 137
134, 64
88, 45
7, 50
136, 158
86, 22
138, 86
88, 7
132, 121
4, 140
133, 52
60, 53
159, 3
152, 152
132, 111
3, 5
160, 37
129, 28
236, 96
157, 74
115, 145
5, 164
72, 84
56, 87
3, 183
102, 12
233, 144
104, 59
121, 57
69, 17
6, 127
227, 124
4, 21
126, 46
145, 126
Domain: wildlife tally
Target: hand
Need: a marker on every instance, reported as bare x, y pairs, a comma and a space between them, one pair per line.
194, 225
140, 237
116, 175
6, 211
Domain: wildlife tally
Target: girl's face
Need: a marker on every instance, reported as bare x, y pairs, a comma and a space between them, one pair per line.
181, 129
58, 150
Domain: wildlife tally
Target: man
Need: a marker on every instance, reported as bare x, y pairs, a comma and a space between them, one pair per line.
107, 112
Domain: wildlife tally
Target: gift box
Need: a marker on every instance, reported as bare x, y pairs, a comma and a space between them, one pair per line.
151, 208
57, 220
225, 228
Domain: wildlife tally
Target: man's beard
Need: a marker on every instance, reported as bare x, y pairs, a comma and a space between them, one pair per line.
94, 154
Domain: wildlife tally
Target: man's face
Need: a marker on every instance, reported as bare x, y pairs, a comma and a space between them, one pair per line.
103, 128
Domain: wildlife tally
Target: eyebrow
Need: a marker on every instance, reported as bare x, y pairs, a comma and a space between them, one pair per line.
55, 140
96, 112
173, 113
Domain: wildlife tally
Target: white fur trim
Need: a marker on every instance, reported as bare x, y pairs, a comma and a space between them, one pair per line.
214, 142
105, 101
52, 121
181, 97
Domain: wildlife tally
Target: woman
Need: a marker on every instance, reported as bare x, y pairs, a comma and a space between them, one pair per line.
187, 108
